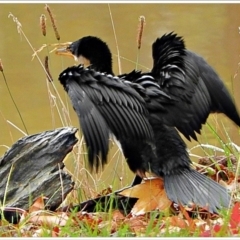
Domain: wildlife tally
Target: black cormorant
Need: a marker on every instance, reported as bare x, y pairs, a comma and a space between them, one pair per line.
143, 110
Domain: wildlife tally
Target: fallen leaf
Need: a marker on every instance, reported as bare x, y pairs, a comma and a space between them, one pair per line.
105, 192
137, 223
55, 231
235, 218
38, 204
151, 196
90, 219
50, 220
176, 221
217, 228
206, 233
117, 215
191, 223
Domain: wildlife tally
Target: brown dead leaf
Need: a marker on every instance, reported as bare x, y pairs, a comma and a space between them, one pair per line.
105, 192
176, 221
90, 219
211, 160
117, 215
191, 223
137, 223
50, 220
151, 196
38, 204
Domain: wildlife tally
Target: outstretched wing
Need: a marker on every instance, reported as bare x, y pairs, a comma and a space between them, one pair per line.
105, 104
95, 130
179, 75
221, 100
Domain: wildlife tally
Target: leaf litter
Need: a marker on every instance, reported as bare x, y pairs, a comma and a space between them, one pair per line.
152, 210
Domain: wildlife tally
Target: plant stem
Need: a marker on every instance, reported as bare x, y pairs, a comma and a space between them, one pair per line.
14, 102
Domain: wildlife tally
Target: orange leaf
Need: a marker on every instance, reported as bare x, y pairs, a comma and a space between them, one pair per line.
89, 219
38, 204
105, 192
117, 215
177, 222
151, 196
191, 223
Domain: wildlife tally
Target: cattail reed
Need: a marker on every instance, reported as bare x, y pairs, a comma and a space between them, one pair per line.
49, 76
43, 24
140, 31
1, 66
53, 22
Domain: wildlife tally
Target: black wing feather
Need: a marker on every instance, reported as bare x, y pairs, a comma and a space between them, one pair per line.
192, 83
220, 97
104, 105
94, 127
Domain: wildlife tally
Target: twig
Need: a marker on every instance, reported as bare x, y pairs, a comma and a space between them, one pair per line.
20, 31
115, 36
60, 176
17, 128
7, 184
1, 69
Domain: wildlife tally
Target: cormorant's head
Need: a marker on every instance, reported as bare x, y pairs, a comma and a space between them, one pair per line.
95, 51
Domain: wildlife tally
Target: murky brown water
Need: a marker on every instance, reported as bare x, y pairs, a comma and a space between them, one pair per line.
209, 29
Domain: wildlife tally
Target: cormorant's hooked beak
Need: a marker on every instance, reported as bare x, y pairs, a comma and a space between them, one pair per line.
66, 51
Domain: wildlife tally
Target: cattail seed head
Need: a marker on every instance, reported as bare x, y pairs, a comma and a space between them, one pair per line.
49, 76
140, 31
43, 24
53, 22
1, 66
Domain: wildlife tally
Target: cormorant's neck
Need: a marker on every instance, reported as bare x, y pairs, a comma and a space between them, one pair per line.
95, 51
102, 65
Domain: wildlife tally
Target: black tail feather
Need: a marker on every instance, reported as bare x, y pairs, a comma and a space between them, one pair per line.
190, 186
